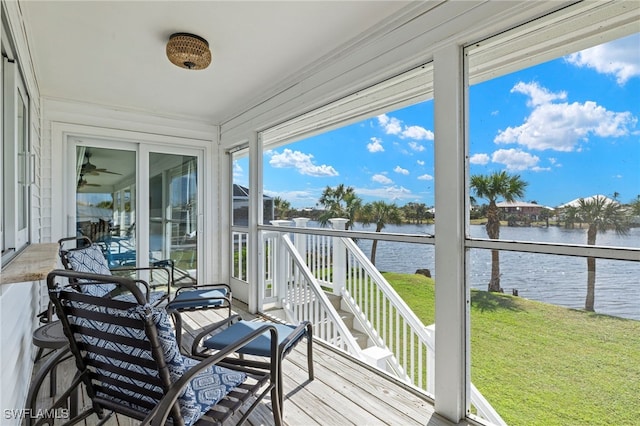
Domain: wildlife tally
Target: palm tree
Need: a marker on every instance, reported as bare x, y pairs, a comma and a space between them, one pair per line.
380, 213
600, 214
421, 212
281, 207
498, 184
570, 216
341, 202
410, 212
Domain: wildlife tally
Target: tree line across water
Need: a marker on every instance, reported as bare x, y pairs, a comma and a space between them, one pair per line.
599, 214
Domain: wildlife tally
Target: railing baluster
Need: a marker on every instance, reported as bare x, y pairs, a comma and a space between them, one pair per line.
384, 320
404, 340
421, 363
398, 353
377, 310
413, 357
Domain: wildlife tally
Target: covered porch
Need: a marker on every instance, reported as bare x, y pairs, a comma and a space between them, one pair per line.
93, 77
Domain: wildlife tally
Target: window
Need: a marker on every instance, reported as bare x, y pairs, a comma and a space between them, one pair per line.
553, 166
17, 161
363, 167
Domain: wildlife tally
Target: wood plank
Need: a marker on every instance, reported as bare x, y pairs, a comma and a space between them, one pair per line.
387, 394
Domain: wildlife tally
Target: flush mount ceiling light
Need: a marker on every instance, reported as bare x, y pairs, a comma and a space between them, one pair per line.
188, 51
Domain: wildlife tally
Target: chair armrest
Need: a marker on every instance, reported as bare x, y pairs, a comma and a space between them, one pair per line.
158, 416
208, 330
303, 328
199, 301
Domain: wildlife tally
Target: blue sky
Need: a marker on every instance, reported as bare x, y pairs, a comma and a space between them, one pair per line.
569, 127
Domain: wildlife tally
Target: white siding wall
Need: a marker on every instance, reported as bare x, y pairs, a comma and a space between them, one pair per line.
21, 302
18, 310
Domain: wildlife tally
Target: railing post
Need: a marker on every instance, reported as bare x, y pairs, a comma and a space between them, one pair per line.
279, 266
431, 356
339, 257
300, 240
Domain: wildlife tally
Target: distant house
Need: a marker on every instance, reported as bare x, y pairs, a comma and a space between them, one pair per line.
576, 202
522, 210
241, 206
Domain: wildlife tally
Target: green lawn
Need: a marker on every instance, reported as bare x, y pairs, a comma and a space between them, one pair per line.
540, 364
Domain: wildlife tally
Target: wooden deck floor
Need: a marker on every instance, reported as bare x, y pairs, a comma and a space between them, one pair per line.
344, 392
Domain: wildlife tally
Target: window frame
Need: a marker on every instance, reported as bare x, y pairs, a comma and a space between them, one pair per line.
18, 165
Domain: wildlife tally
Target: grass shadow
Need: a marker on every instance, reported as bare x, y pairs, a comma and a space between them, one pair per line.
487, 301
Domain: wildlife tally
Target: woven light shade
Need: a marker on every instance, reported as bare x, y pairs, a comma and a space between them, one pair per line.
188, 51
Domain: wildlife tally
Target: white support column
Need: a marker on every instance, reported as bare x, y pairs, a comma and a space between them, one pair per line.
255, 266
339, 257
452, 339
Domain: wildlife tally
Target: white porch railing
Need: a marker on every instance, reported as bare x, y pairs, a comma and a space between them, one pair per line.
300, 274
239, 246
300, 295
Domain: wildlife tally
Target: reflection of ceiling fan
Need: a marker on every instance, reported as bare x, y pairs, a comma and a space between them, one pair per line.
90, 169
82, 182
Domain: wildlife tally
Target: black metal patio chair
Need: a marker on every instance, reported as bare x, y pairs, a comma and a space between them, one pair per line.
130, 363
89, 257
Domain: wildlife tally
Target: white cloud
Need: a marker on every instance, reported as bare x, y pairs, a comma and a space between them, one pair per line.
538, 95
425, 177
620, 58
375, 145
481, 159
237, 169
418, 133
516, 160
393, 193
420, 162
380, 178
400, 170
393, 126
302, 162
416, 146
561, 126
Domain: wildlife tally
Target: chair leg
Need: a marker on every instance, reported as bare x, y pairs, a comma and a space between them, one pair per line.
53, 380
276, 404
280, 392
310, 351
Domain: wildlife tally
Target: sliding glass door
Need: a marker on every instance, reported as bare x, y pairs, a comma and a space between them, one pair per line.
139, 198
173, 212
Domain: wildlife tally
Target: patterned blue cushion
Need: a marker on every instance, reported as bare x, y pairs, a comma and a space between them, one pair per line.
211, 385
90, 259
205, 389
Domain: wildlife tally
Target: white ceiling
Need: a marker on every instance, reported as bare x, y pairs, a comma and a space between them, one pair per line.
113, 53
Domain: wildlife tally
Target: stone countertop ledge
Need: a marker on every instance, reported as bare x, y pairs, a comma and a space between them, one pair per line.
32, 264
